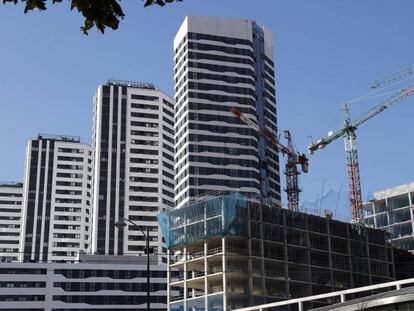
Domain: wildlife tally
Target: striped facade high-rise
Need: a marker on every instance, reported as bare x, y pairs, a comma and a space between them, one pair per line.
222, 63
56, 199
133, 165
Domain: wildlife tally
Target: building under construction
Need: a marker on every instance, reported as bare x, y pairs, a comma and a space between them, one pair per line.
228, 252
392, 210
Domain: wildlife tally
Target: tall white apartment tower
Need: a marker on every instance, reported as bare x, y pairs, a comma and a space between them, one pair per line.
133, 142
222, 63
10, 220
56, 199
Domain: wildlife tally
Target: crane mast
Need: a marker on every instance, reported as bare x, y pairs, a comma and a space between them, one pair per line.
292, 174
354, 181
293, 158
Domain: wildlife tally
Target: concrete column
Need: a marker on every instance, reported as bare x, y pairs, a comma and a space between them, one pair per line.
328, 230
262, 251
168, 280
350, 257
185, 277
223, 242
287, 283
205, 261
368, 256
205, 277
249, 253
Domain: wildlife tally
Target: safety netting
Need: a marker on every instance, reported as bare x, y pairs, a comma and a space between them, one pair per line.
208, 217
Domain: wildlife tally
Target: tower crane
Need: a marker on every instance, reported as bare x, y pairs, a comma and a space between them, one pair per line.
348, 132
294, 158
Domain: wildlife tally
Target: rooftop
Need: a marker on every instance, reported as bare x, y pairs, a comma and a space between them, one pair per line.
74, 139
11, 184
113, 259
139, 85
386, 193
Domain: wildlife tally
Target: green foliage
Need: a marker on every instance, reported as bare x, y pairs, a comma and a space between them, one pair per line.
98, 13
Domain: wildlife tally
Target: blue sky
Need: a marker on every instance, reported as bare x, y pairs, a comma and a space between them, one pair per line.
326, 52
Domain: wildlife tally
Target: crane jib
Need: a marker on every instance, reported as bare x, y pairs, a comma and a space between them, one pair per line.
403, 93
394, 78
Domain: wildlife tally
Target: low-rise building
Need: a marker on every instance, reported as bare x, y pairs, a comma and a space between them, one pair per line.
94, 283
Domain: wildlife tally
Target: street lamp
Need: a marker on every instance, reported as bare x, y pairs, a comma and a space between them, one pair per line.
123, 222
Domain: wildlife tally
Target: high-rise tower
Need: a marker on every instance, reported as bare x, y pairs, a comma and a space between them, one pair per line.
56, 199
222, 63
133, 143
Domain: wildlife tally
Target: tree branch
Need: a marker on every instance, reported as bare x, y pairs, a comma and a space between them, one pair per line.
97, 13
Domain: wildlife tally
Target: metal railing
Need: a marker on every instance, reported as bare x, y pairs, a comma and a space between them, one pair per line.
198, 274
177, 297
185, 257
177, 278
216, 269
213, 290
216, 250
299, 302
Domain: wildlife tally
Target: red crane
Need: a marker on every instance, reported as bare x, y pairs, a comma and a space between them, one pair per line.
294, 158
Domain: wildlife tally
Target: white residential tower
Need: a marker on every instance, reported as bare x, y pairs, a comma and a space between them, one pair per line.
133, 165
56, 199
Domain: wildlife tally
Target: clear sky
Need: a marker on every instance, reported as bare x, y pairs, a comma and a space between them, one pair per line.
325, 52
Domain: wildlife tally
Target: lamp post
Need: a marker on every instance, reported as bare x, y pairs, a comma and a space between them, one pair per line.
123, 222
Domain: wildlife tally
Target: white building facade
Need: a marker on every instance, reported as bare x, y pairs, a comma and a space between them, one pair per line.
393, 210
56, 199
93, 284
133, 140
10, 220
222, 63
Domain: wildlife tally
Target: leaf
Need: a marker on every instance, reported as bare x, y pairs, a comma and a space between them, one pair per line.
88, 25
35, 4
14, 1
81, 5
159, 2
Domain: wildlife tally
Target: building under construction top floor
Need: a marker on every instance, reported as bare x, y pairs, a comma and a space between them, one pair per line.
228, 252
